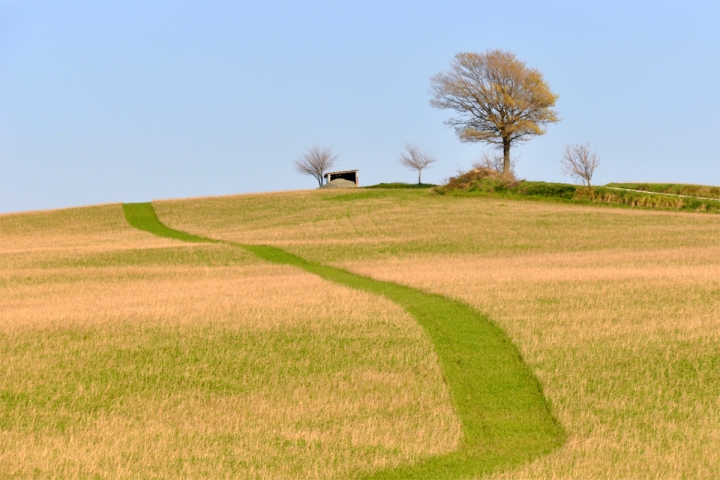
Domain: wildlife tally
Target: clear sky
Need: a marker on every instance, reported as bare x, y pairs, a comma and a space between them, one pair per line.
132, 101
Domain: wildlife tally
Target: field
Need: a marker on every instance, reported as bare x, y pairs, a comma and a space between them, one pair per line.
673, 197
672, 188
114, 339
145, 357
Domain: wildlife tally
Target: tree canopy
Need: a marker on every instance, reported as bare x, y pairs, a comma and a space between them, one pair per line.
580, 162
416, 159
499, 99
315, 162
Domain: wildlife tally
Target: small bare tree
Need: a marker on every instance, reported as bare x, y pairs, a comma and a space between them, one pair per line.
495, 162
315, 162
580, 162
416, 159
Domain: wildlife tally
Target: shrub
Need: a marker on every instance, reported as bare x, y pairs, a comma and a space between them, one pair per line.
544, 189
484, 180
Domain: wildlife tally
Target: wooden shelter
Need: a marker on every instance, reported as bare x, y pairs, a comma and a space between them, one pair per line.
351, 175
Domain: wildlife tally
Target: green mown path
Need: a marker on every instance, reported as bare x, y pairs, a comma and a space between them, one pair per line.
506, 420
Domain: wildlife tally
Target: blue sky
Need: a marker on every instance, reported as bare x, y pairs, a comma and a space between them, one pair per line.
131, 101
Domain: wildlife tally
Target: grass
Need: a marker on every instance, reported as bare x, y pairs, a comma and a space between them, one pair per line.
400, 185
473, 183
95, 228
504, 416
200, 360
625, 345
614, 310
643, 200
414, 223
142, 216
672, 188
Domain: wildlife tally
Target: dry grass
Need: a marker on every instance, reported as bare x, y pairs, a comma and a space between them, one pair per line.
616, 310
150, 358
626, 345
338, 226
88, 228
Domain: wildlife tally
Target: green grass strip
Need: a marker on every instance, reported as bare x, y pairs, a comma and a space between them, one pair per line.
506, 420
142, 216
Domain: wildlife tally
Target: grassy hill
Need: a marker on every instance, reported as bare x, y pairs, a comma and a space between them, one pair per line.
682, 197
703, 191
124, 354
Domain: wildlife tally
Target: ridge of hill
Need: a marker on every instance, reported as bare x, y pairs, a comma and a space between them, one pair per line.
487, 182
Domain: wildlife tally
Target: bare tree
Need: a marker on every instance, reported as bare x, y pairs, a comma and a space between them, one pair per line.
315, 162
416, 159
494, 162
499, 99
580, 162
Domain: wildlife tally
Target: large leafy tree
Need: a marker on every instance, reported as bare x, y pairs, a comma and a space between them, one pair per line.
499, 99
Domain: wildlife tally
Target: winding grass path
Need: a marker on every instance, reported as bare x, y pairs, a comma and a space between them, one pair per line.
505, 418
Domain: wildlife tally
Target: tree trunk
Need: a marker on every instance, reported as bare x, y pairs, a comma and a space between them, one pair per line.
419, 171
506, 156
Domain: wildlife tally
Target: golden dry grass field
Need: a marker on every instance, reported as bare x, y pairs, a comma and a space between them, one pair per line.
615, 310
124, 355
